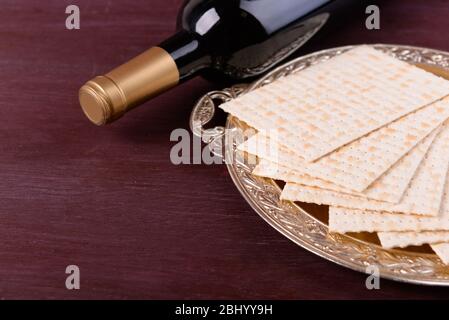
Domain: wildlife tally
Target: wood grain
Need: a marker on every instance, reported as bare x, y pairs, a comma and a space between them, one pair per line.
110, 201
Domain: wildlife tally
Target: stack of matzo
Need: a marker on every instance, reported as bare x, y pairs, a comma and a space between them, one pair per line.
365, 134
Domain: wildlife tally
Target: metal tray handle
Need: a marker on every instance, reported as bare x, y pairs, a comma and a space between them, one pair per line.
204, 111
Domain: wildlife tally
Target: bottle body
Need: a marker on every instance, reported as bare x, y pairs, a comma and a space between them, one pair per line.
242, 38
236, 38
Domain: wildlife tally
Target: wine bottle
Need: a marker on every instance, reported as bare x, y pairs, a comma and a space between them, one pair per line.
236, 38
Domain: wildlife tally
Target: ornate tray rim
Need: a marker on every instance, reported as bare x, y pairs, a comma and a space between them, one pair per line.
291, 220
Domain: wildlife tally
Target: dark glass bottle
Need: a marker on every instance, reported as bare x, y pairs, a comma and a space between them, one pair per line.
242, 38
235, 38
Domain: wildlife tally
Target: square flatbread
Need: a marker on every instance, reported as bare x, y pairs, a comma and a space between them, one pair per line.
389, 187
423, 197
268, 169
330, 104
357, 165
442, 251
410, 238
344, 220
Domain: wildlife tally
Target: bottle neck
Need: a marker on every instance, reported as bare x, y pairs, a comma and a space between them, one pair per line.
106, 98
187, 52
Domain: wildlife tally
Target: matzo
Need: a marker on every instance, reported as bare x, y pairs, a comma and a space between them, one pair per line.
442, 251
344, 220
422, 197
389, 187
363, 161
410, 238
266, 168
335, 102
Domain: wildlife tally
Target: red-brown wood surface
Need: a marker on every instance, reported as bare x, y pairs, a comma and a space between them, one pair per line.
110, 201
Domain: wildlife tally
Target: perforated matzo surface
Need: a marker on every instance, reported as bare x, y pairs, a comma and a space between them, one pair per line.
325, 106
354, 220
389, 187
356, 165
422, 197
266, 168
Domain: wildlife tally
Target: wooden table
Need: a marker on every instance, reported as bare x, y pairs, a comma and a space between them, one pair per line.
110, 201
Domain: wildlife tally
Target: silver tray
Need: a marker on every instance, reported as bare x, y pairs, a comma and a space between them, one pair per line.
306, 225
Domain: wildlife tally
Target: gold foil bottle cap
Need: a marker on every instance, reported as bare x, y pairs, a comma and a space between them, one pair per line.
102, 101
106, 98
